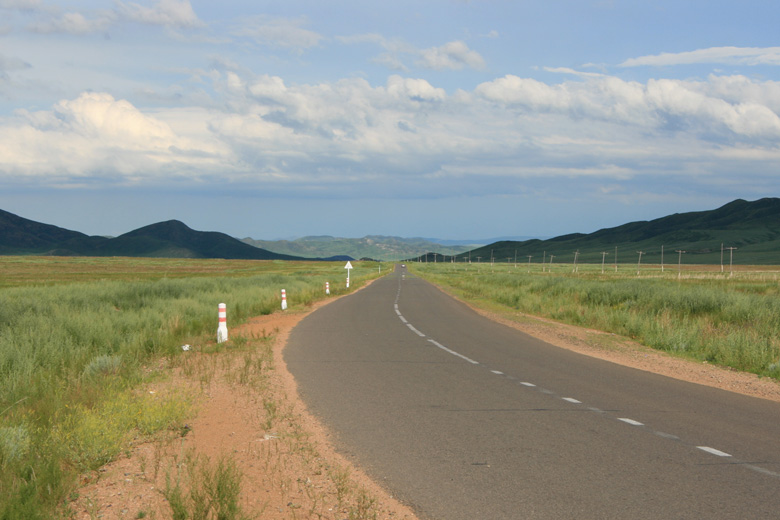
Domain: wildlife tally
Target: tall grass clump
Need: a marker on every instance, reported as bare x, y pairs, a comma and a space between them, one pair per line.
71, 355
205, 491
713, 319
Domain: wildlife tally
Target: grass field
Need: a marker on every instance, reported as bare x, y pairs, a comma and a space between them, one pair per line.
725, 318
77, 338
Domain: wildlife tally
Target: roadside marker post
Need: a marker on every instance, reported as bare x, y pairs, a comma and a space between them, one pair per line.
222, 332
284, 300
327, 287
348, 267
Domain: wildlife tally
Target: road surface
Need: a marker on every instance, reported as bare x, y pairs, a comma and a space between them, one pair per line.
464, 418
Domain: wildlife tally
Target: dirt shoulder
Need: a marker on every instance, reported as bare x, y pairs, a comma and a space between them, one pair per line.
250, 411
623, 351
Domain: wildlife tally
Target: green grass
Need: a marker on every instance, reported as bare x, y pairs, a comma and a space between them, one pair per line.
733, 321
77, 337
202, 490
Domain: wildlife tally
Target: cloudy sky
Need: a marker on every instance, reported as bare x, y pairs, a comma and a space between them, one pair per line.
439, 118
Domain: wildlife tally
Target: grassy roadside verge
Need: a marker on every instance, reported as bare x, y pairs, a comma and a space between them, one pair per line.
250, 451
729, 321
74, 353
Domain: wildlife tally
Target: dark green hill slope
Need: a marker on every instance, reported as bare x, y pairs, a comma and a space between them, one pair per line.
751, 227
171, 239
174, 239
19, 235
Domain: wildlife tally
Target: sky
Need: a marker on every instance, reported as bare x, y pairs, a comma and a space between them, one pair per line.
454, 119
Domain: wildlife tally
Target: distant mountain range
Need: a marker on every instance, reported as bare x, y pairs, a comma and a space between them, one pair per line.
476, 242
372, 246
171, 239
753, 228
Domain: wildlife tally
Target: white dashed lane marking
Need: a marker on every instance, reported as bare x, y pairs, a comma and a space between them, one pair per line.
572, 400
453, 352
411, 327
713, 451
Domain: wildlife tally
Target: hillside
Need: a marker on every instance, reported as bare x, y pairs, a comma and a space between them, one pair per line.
19, 235
171, 239
371, 246
751, 227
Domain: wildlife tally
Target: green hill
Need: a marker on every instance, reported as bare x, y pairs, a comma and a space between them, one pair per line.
751, 227
174, 239
171, 239
19, 235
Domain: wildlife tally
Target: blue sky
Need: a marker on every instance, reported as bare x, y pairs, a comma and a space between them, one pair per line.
436, 118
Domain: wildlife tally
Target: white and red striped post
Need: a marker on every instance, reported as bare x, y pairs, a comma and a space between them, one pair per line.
222, 333
284, 300
327, 287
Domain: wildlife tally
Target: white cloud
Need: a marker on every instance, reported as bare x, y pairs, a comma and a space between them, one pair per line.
534, 94
100, 115
390, 61
573, 72
74, 23
726, 55
688, 106
416, 89
739, 89
92, 135
280, 32
349, 133
168, 13
454, 55
677, 99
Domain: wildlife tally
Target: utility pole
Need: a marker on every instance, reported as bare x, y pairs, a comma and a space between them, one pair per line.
662, 259
576, 254
616, 259
731, 260
640, 262
721, 257
679, 261
603, 256
529, 262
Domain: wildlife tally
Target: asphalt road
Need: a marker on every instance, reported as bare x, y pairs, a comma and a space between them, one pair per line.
463, 418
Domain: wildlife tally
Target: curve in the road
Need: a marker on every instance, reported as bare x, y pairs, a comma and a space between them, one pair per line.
464, 418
